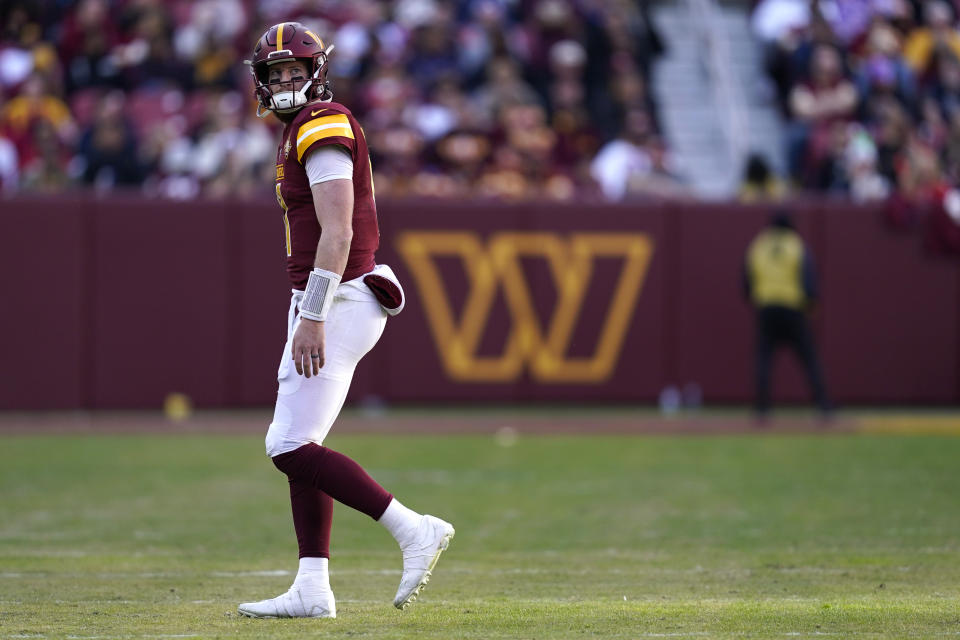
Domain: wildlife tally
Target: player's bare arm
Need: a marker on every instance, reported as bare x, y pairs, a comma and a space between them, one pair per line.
333, 201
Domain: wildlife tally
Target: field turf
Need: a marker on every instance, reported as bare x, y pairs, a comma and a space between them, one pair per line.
573, 536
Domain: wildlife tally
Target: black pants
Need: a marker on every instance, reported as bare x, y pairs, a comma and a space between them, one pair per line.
777, 326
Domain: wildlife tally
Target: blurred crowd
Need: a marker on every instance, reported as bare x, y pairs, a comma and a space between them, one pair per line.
510, 99
871, 93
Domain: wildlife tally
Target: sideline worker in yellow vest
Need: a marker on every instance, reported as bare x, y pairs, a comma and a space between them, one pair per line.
779, 281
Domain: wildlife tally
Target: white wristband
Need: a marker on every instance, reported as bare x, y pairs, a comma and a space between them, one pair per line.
318, 297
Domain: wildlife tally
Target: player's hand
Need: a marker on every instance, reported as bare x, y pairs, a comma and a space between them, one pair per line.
307, 347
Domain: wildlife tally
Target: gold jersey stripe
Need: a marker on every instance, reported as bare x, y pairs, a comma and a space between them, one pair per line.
339, 132
321, 128
310, 126
330, 127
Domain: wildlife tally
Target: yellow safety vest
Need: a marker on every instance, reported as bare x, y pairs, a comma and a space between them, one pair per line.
775, 269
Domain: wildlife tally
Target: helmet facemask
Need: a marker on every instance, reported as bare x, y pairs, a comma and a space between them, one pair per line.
292, 100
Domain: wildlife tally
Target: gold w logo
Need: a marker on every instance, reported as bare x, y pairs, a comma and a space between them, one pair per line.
570, 261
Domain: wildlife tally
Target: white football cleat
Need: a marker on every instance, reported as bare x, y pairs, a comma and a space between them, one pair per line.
293, 604
420, 557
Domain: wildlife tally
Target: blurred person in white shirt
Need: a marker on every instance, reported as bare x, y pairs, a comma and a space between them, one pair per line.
624, 158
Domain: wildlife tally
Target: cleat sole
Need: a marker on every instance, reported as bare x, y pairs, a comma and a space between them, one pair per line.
444, 543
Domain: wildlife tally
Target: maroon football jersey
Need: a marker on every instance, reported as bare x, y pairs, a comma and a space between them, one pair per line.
320, 124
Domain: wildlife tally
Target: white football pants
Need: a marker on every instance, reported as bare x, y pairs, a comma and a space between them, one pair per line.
307, 407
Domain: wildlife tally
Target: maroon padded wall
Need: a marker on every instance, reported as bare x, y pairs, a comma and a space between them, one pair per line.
116, 302
890, 313
45, 341
158, 303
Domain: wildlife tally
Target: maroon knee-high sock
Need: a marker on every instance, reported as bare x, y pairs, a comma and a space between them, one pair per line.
336, 475
312, 519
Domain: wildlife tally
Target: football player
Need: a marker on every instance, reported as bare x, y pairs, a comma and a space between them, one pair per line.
340, 304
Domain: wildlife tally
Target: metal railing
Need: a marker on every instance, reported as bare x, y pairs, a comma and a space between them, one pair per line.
728, 97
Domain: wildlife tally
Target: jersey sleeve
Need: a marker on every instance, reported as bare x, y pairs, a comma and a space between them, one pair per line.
323, 131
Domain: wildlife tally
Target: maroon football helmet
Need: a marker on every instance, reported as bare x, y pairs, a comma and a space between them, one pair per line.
282, 43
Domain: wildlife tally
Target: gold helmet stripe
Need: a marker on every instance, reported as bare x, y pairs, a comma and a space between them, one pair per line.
280, 35
315, 37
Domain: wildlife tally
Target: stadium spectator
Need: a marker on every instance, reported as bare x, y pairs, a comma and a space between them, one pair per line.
818, 106
903, 130
943, 227
776, 20
461, 156
46, 169
37, 121
9, 167
107, 150
938, 33
891, 133
944, 89
421, 71
433, 51
759, 182
663, 181
926, 200
625, 160
932, 126
862, 178
951, 149
524, 128
504, 177
209, 37
433, 82
918, 176
884, 74
504, 86
86, 45
789, 30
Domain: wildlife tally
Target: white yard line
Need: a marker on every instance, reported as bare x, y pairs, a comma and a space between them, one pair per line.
509, 571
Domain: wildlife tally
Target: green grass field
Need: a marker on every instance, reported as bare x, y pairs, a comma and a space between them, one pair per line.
160, 536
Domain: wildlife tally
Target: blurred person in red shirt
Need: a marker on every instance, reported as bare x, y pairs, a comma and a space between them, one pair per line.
578, 137
826, 99
926, 199
36, 119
